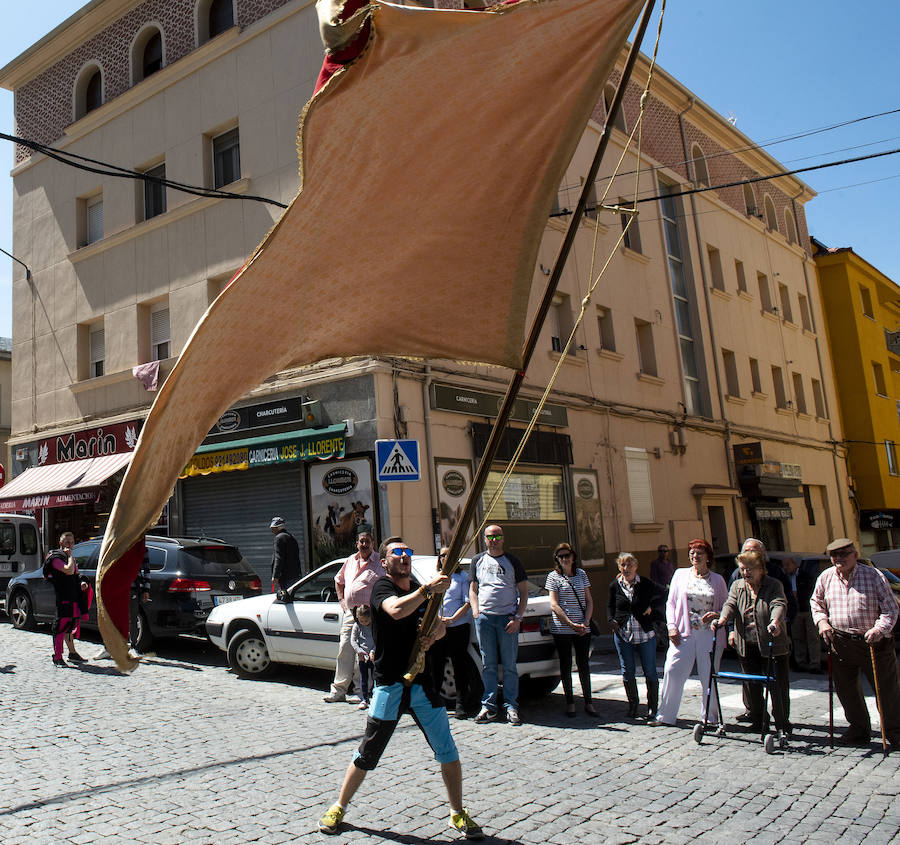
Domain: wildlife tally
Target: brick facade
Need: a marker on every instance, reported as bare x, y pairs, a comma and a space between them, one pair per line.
44, 106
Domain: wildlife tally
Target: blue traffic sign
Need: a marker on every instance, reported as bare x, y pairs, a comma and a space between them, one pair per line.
397, 460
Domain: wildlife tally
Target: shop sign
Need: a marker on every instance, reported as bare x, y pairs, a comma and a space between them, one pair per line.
52, 500
288, 410
747, 453
339, 481
881, 521
769, 469
792, 471
454, 483
89, 443
207, 463
773, 512
477, 403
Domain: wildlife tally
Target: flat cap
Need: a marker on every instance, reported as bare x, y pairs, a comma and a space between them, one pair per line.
277, 522
839, 543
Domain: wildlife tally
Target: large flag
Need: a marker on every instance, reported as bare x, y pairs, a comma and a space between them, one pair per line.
428, 168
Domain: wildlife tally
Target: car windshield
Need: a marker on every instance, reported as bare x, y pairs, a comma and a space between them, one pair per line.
215, 560
7, 539
536, 584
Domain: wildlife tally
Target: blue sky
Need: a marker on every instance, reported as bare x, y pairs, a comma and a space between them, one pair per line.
781, 68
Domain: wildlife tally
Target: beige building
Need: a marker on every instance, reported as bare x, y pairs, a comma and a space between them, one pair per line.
696, 401
5, 403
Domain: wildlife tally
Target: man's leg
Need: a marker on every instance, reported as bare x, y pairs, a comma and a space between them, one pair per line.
452, 775
353, 778
845, 667
346, 662
509, 651
487, 643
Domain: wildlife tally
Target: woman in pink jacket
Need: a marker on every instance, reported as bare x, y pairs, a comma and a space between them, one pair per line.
696, 597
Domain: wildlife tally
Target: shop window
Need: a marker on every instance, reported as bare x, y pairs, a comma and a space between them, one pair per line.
605, 325
160, 337
741, 278
640, 492
890, 449
750, 200
154, 192
771, 218
97, 352
618, 119
701, 172
88, 91
731, 373
755, 380
865, 296
632, 237
226, 158
799, 394
785, 296
805, 316
818, 398
532, 495
778, 386
765, 297
878, 375
147, 53
717, 278
646, 351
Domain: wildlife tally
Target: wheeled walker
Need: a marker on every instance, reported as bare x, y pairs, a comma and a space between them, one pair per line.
770, 740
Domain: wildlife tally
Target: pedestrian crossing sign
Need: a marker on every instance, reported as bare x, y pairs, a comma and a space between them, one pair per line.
397, 460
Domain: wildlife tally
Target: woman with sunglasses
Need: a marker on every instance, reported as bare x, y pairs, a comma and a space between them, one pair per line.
456, 613
572, 607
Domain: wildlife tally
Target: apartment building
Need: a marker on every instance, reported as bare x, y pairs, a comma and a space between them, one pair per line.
696, 400
862, 317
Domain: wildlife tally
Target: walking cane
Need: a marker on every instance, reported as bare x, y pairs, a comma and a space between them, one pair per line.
830, 703
878, 700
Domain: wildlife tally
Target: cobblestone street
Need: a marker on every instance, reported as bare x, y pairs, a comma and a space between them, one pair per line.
185, 752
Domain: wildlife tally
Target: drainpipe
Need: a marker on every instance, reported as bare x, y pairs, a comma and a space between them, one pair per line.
834, 457
429, 457
712, 332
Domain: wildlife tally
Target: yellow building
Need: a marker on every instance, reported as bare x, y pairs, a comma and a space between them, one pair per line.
862, 318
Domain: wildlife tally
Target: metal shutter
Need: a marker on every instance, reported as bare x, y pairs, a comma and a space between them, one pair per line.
94, 220
238, 506
637, 465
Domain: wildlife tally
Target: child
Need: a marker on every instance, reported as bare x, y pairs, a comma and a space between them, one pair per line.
72, 598
363, 642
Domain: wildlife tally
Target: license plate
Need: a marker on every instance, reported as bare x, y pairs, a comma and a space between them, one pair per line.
225, 599
545, 624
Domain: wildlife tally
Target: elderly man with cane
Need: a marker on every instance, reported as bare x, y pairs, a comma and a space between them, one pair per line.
855, 612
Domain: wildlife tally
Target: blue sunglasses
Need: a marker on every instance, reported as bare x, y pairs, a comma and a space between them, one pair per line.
401, 552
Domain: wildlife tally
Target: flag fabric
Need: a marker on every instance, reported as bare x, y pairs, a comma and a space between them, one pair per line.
147, 375
428, 168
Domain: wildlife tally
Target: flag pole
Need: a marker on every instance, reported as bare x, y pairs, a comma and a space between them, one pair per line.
451, 562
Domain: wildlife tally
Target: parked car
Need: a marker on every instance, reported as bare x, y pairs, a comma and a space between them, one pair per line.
188, 578
303, 629
807, 561
888, 559
20, 548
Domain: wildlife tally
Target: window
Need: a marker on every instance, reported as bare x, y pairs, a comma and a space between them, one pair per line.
221, 17
590, 204
618, 120
716, 276
88, 91
226, 158
805, 316
560, 320
799, 395
790, 227
755, 381
733, 386
147, 53
891, 451
681, 295
765, 297
160, 337
818, 399
152, 58
97, 352
750, 200
646, 352
154, 192
785, 296
810, 510
878, 374
530, 495
637, 468
866, 297
605, 324
93, 219
701, 172
741, 278
778, 385
632, 239
771, 219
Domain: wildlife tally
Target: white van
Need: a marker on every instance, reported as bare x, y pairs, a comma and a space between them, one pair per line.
20, 548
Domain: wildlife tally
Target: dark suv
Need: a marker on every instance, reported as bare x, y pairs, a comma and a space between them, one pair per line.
187, 577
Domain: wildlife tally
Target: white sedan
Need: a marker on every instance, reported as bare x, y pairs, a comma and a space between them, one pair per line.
303, 628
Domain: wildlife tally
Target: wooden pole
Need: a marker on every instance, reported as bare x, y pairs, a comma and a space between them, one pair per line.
451, 562
878, 699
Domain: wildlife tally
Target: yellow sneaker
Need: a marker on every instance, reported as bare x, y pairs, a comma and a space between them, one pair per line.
331, 821
465, 824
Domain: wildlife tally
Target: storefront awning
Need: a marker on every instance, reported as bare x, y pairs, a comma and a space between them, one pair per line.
60, 485
308, 444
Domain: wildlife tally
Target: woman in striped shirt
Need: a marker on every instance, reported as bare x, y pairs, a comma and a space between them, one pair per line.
572, 607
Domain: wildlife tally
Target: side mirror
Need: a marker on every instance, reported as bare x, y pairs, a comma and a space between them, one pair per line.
282, 596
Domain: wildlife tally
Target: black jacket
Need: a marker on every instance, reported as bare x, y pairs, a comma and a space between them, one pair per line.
646, 594
286, 559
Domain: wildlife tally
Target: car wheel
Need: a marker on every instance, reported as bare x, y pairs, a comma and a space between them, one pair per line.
141, 638
248, 655
21, 611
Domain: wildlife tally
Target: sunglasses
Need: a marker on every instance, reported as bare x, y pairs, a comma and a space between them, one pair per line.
494, 536
401, 552
841, 553
564, 555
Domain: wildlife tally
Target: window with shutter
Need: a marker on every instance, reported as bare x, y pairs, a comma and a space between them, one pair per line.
226, 158
159, 334
98, 352
94, 219
637, 466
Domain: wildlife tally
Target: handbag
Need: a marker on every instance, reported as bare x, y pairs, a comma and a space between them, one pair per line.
593, 627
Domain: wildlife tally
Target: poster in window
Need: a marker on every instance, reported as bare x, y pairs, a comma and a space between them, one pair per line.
454, 479
588, 519
340, 501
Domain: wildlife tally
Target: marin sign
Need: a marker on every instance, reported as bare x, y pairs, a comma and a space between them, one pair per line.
339, 481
